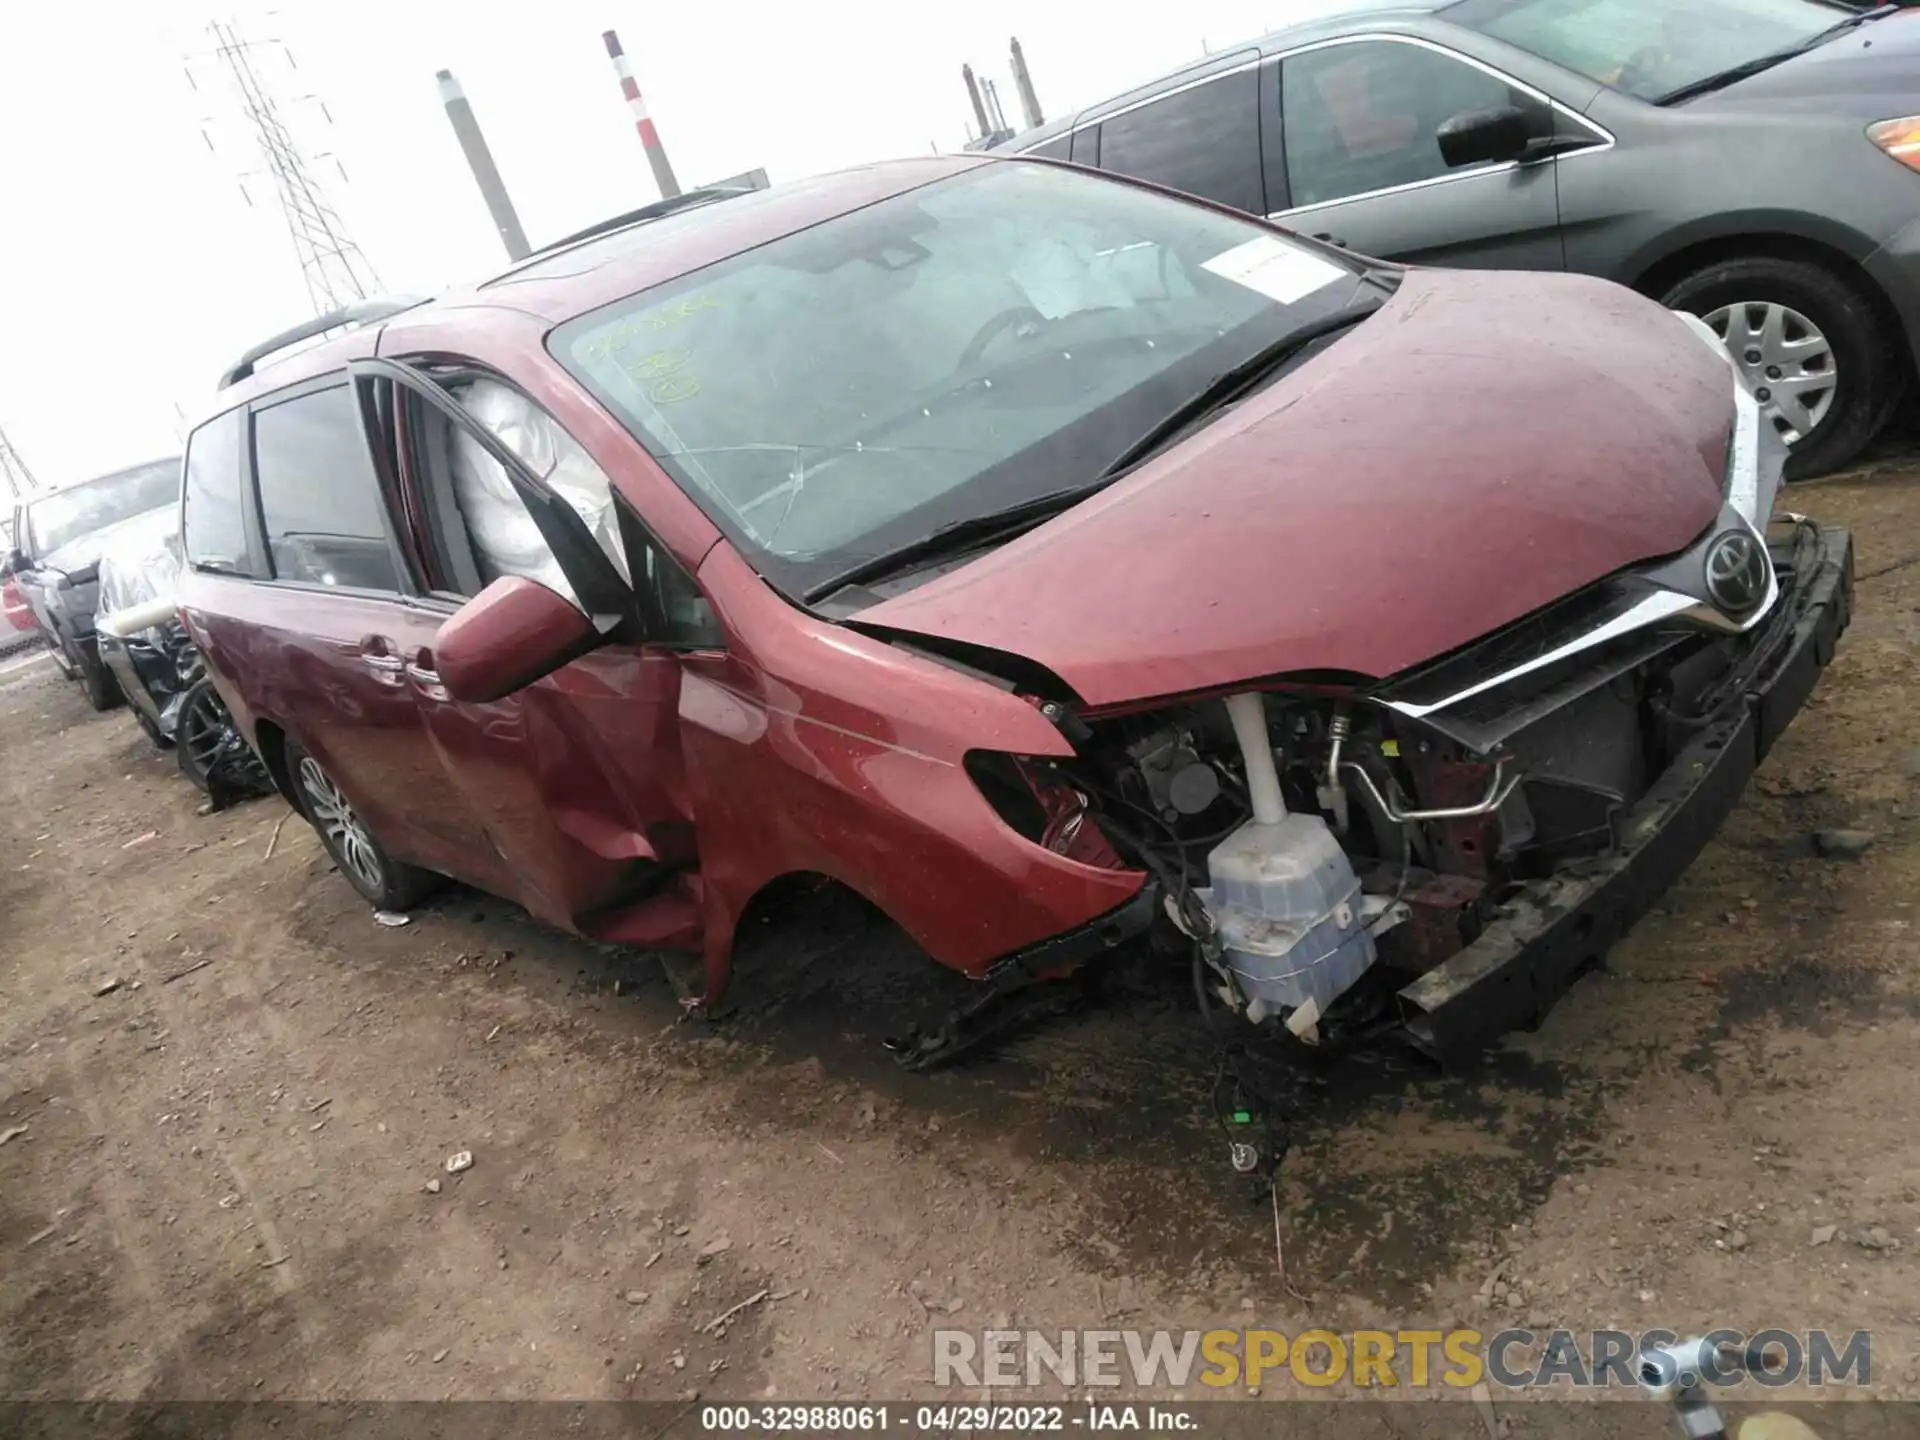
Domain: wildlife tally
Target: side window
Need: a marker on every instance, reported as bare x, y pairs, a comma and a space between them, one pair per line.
1204, 140
319, 496
1366, 116
1058, 148
676, 613
214, 520
1086, 145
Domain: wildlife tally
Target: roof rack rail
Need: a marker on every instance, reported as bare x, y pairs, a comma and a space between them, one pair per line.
706, 195
364, 313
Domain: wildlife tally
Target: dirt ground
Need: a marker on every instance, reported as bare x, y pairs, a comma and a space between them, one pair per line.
223, 1187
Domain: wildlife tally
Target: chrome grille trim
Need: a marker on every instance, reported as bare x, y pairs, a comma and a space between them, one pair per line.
1751, 484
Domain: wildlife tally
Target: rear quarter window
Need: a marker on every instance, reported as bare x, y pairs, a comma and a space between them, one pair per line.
213, 517
1203, 139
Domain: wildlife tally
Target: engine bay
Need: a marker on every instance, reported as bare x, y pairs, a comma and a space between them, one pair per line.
1323, 845
1385, 847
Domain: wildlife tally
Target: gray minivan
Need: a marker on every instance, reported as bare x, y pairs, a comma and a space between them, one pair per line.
1756, 162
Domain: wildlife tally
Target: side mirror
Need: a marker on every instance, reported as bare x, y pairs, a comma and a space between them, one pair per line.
1482, 137
508, 636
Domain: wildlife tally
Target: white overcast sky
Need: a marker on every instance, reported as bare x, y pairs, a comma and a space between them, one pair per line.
132, 270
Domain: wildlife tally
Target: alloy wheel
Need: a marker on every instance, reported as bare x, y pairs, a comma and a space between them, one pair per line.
337, 821
1786, 360
203, 731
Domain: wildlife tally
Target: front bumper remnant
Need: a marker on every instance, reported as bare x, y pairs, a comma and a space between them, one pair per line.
1556, 929
1023, 987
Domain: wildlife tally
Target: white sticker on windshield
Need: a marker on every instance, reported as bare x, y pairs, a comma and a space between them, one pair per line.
1276, 269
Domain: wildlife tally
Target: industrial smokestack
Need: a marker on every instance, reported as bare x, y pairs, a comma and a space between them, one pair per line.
973, 94
998, 115
480, 160
1029, 102
642, 122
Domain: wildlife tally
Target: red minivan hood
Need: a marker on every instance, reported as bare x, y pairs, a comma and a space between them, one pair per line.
1483, 445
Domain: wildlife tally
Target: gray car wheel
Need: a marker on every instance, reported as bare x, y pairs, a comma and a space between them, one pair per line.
1786, 361
1810, 342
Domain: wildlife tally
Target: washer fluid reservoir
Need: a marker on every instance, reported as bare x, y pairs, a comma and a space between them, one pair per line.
1288, 908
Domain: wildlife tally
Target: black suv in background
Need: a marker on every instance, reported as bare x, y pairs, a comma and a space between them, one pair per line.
1753, 162
58, 540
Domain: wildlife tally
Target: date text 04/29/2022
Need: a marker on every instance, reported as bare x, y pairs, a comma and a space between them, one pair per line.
945, 1419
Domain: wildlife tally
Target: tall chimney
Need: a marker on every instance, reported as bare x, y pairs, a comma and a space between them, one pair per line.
485, 173
993, 105
1029, 102
642, 122
973, 94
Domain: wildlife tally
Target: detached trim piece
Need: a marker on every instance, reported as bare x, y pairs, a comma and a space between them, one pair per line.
365, 313
1557, 929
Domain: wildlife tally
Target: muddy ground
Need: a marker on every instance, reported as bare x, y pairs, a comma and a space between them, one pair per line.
221, 1190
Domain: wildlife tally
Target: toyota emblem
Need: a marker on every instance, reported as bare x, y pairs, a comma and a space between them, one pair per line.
1737, 571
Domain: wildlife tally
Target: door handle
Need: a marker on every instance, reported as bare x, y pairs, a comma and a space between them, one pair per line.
383, 666
420, 670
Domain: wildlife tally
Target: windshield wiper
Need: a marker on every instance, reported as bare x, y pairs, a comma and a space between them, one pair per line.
971, 533
1748, 69
1226, 387
997, 526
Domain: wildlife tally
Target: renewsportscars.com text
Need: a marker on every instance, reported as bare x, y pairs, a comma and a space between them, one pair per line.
1365, 1359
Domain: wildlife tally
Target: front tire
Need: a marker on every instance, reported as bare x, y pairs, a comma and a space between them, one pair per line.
1810, 344
101, 689
202, 734
62, 657
384, 882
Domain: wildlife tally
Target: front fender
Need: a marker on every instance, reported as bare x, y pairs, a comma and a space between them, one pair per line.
1657, 256
813, 748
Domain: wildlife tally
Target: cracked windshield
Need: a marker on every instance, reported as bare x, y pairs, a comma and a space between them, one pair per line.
976, 342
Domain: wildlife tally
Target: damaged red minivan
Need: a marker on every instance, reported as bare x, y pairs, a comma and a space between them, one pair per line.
1043, 556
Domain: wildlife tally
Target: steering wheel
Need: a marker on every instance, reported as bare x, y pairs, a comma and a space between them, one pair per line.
985, 335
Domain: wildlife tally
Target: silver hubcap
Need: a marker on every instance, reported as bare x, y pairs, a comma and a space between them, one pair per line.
335, 817
1786, 361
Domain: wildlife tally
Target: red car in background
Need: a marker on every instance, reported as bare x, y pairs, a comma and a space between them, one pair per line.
1042, 555
17, 625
